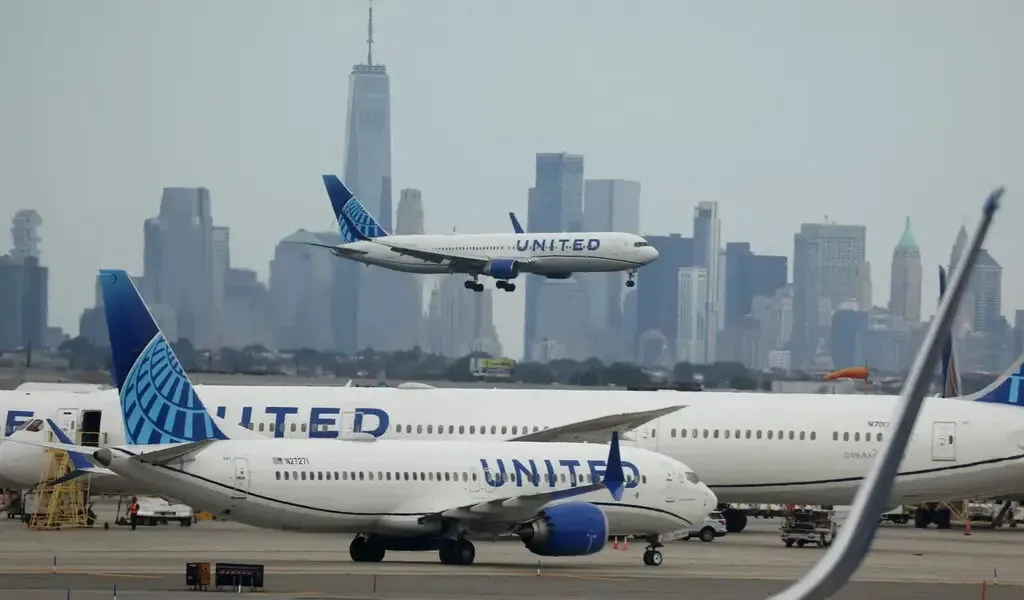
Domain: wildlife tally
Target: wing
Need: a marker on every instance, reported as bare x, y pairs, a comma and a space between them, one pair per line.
437, 257
511, 510
337, 250
596, 430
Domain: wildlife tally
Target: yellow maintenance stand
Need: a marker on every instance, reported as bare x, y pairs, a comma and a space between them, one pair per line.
61, 504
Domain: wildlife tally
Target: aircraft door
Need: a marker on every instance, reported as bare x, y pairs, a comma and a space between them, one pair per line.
672, 487
647, 437
67, 420
240, 485
943, 441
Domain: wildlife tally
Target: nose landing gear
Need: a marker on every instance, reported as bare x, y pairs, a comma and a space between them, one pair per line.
631, 280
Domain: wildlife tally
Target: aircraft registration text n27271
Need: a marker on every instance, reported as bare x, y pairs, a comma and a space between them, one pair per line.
291, 460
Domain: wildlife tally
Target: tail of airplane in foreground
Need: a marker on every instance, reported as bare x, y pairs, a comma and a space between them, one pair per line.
515, 223
950, 374
354, 221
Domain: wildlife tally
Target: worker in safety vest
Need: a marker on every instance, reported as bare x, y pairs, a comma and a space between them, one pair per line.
133, 511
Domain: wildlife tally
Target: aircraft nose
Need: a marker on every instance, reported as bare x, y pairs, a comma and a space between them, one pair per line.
710, 499
651, 253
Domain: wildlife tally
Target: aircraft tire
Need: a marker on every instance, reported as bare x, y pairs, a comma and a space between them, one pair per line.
464, 552
735, 520
652, 558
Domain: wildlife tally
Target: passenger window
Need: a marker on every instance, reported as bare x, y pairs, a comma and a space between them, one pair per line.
878, 438
464, 478
414, 476
695, 433
447, 476
813, 436
856, 436
270, 427
320, 475
846, 436
758, 434
261, 427
327, 475
293, 427
451, 429
835, 436
643, 479
705, 434
535, 429
419, 429
277, 475
473, 476
748, 434
801, 436
303, 428
303, 475
360, 475
515, 428
737, 436
504, 430
472, 429
430, 429
493, 429
716, 434
726, 434
286, 476
672, 433
791, 435
335, 474
770, 433
462, 429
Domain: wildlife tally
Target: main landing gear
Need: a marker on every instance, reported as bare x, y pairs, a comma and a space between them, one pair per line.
474, 285
652, 557
508, 286
456, 552
631, 279
367, 549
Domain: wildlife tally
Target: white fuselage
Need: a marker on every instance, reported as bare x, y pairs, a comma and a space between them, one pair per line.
385, 487
540, 253
748, 447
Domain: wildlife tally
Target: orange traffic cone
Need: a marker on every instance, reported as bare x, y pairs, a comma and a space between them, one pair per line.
625, 543
615, 544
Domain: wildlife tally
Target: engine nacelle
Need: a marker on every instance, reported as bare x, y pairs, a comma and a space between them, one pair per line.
502, 268
572, 529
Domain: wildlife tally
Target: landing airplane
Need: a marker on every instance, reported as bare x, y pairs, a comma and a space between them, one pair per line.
502, 256
397, 495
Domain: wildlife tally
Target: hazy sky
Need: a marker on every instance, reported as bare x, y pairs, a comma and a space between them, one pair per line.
783, 111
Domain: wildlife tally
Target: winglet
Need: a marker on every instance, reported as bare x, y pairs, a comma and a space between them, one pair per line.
614, 478
515, 223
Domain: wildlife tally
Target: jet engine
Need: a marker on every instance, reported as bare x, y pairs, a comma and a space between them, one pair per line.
502, 268
572, 529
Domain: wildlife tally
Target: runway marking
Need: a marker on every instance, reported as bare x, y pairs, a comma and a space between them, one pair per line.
83, 572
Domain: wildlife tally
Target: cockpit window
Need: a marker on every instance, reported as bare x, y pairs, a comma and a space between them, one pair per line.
641, 244
692, 477
34, 425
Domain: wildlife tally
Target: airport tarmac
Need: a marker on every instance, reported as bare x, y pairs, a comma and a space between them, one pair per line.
149, 563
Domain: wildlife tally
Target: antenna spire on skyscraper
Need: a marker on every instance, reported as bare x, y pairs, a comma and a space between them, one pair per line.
369, 38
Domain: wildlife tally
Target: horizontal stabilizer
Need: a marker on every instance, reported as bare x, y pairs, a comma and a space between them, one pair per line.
597, 430
166, 455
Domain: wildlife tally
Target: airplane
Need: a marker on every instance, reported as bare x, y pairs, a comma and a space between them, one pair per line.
811, 449
501, 256
362, 485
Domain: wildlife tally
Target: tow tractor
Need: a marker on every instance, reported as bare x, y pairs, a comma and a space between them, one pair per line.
804, 526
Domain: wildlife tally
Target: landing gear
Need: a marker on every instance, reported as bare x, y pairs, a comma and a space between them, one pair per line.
457, 552
367, 549
631, 279
508, 286
474, 285
926, 515
652, 557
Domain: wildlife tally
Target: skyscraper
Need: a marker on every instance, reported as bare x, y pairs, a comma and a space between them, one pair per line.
25, 234
693, 316
609, 205
555, 204
905, 281
368, 175
707, 234
828, 266
410, 213
657, 300
178, 262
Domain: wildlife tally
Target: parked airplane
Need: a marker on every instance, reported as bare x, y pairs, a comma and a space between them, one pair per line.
811, 449
502, 256
397, 495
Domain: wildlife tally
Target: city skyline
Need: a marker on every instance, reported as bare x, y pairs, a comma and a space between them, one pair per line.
115, 154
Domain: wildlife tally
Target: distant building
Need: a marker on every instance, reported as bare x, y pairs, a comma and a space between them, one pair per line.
410, 213
23, 303
707, 242
828, 268
691, 346
657, 306
905, 282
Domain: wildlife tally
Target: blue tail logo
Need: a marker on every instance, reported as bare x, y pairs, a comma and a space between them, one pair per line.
355, 222
515, 223
158, 403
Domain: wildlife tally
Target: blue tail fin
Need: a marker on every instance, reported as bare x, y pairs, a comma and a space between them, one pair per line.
515, 223
1007, 389
614, 478
355, 222
950, 373
158, 403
